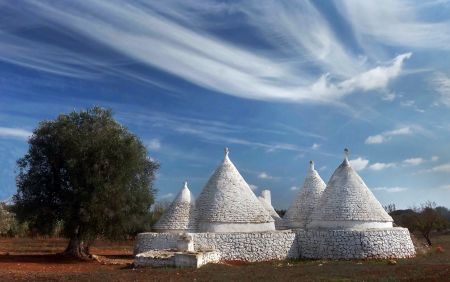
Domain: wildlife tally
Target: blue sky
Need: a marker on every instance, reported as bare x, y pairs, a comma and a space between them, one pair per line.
279, 82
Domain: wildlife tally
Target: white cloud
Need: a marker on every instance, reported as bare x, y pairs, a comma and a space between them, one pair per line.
434, 158
407, 103
440, 168
253, 187
10, 132
359, 163
153, 144
293, 188
387, 135
188, 50
441, 83
390, 189
375, 139
395, 23
264, 175
389, 97
167, 196
413, 161
315, 146
381, 166
445, 187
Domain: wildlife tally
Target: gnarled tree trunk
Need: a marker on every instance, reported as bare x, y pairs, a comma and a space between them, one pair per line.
77, 248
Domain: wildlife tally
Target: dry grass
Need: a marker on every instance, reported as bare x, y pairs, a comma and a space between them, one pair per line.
35, 260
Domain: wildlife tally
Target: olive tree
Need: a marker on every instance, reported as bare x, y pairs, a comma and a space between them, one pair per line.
88, 173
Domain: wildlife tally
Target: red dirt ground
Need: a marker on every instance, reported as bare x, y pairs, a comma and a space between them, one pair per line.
26, 259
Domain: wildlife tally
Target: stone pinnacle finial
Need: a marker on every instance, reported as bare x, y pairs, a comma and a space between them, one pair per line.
346, 153
185, 184
311, 165
227, 151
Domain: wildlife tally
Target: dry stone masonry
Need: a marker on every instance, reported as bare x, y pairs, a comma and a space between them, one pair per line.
299, 213
347, 203
178, 217
227, 204
228, 222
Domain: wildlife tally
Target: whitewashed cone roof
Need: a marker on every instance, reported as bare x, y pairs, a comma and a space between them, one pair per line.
228, 199
347, 198
299, 212
178, 216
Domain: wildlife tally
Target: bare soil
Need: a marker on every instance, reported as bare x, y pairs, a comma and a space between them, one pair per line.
31, 259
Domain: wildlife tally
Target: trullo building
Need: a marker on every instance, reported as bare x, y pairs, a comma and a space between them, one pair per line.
299, 212
230, 223
227, 204
347, 203
179, 215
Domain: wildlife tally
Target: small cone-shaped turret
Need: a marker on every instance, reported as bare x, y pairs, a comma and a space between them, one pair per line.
347, 203
178, 217
299, 213
227, 204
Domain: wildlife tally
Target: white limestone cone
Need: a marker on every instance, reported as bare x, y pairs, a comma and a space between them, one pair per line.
178, 217
299, 213
347, 203
227, 204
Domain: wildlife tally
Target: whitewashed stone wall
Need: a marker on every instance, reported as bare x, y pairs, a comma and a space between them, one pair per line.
155, 241
279, 245
260, 246
256, 246
355, 244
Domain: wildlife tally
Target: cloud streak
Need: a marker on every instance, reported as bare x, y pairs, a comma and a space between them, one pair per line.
390, 189
10, 132
195, 55
388, 135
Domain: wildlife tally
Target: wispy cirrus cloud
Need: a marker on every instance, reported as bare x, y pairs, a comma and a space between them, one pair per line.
153, 144
11, 132
390, 189
413, 161
441, 84
265, 175
194, 54
439, 168
381, 166
388, 135
395, 23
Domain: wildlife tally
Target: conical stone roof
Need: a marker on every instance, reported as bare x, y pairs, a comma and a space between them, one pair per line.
227, 204
299, 213
347, 203
178, 217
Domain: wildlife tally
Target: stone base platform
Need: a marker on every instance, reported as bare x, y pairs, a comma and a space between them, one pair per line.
355, 244
276, 245
173, 258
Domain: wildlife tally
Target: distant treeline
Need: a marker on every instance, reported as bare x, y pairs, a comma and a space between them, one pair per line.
423, 219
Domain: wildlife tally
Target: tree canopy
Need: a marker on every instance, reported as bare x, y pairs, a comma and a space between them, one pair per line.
87, 172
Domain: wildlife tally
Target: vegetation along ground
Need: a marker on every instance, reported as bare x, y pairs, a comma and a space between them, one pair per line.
26, 259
